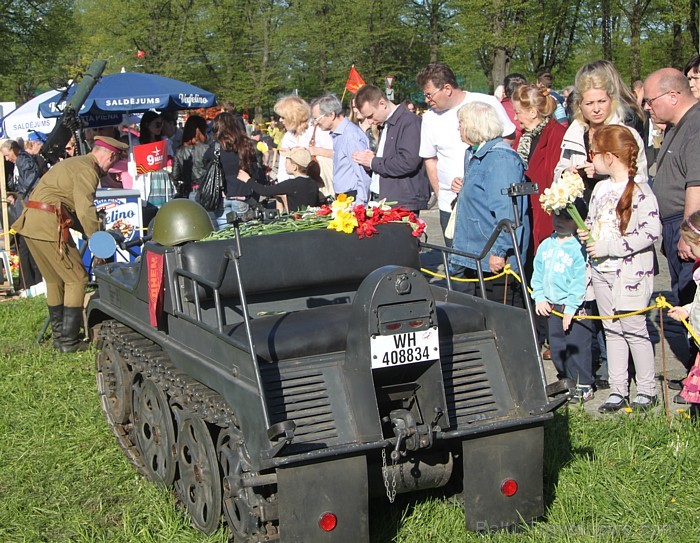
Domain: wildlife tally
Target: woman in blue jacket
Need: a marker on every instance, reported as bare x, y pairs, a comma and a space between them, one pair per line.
490, 167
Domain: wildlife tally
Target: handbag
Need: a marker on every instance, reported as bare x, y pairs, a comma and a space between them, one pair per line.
450, 228
212, 186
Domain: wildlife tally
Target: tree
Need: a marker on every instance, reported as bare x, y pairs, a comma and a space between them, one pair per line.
36, 46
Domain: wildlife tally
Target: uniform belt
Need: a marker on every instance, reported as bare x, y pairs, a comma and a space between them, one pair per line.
41, 205
64, 218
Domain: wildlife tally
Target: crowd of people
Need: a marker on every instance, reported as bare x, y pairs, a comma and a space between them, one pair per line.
635, 149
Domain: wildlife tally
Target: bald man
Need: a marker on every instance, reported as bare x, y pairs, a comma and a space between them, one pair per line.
668, 99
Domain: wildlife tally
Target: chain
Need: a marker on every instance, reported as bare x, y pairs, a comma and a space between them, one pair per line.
390, 492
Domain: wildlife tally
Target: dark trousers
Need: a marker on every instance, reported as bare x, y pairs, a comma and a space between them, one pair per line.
681, 271
444, 219
496, 290
571, 350
30, 274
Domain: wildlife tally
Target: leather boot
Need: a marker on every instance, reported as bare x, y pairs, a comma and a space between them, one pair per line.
56, 320
72, 320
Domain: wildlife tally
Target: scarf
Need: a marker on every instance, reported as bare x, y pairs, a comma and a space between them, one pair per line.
526, 140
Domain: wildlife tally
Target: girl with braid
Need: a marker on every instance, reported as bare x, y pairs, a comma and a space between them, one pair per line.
624, 224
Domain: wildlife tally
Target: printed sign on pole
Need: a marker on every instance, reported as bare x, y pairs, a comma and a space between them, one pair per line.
389, 81
150, 157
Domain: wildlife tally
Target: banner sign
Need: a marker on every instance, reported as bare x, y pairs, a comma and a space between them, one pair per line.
150, 157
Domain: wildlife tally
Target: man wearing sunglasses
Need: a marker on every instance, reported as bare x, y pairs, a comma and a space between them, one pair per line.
64, 198
668, 99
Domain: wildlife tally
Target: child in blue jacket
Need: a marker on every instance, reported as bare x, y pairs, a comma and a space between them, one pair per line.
559, 284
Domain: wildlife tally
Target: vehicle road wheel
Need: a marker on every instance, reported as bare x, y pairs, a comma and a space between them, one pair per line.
113, 384
154, 429
199, 485
239, 503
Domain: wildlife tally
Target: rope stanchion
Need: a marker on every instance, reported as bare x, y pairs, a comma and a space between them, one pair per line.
667, 406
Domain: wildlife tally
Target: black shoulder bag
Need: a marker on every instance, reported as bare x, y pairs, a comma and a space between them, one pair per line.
212, 186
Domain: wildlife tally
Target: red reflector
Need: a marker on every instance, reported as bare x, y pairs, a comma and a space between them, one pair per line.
509, 487
416, 324
328, 522
394, 326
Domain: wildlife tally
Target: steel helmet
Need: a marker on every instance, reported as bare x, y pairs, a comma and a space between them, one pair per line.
180, 221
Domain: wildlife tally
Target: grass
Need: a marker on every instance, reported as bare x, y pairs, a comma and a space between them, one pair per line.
626, 478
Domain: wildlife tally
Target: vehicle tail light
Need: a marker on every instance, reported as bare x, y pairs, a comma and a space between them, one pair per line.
509, 487
416, 323
393, 326
328, 522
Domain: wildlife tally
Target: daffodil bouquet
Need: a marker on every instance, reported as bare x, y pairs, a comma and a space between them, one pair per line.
562, 195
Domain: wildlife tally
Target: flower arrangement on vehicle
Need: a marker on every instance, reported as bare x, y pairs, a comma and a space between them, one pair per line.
343, 215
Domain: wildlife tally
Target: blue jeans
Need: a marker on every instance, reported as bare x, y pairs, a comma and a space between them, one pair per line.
229, 205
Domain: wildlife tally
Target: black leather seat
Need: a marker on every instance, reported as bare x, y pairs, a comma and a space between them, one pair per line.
325, 330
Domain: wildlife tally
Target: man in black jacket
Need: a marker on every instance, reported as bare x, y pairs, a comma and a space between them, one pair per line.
398, 174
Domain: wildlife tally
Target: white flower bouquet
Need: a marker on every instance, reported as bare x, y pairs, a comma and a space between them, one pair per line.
562, 195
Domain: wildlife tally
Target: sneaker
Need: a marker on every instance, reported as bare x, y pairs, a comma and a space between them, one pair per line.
642, 402
615, 402
583, 394
547, 354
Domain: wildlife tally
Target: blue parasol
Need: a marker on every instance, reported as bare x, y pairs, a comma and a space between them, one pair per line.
129, 92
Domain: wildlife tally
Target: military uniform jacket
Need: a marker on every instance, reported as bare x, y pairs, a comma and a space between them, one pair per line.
72, 183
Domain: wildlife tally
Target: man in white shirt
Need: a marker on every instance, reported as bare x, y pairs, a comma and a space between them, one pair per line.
441, 146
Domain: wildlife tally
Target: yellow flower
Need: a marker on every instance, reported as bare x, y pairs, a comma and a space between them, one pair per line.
342, 203
344, 221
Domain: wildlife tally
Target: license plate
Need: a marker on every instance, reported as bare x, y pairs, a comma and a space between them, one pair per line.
407, 348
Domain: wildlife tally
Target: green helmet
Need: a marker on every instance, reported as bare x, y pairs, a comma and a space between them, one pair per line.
179, 221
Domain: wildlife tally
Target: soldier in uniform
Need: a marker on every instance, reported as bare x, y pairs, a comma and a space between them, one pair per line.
64, 198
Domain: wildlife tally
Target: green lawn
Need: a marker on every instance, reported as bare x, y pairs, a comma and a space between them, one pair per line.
626, 478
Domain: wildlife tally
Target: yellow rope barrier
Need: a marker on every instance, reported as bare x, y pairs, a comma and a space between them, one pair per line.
661, 302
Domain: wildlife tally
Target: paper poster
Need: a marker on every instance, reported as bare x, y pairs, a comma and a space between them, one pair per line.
151, 157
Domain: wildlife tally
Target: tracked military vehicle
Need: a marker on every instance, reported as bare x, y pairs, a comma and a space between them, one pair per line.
289, 378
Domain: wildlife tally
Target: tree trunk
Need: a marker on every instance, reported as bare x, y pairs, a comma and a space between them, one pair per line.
606, 24
693, 24
501, 64
635, 56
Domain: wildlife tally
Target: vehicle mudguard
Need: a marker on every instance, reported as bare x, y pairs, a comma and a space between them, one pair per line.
490, 461
307, 492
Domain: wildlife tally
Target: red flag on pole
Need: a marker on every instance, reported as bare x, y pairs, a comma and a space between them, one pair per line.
355, 81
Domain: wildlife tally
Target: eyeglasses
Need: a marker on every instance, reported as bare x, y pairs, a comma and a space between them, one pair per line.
592, 154
650, 101
313, 120
430, 95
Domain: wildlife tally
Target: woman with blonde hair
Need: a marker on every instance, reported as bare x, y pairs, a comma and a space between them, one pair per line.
493, 167
601, 98
301, 131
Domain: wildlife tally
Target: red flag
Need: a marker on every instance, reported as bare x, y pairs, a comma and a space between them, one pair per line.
355, 81
154, 267
150, 157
